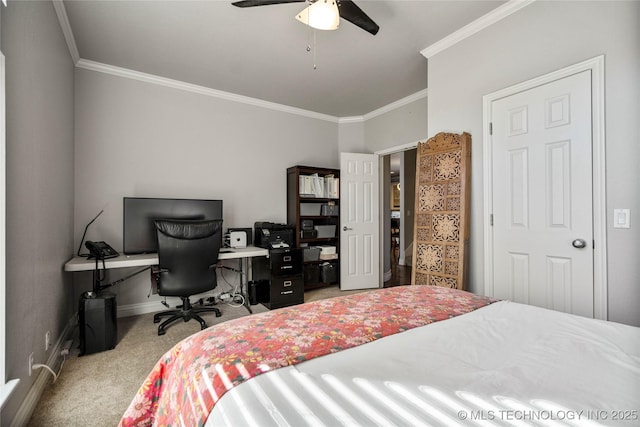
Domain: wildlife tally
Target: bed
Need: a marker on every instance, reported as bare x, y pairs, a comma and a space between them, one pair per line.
405, 356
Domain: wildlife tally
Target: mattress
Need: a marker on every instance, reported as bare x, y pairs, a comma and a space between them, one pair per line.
405, 356
503, 364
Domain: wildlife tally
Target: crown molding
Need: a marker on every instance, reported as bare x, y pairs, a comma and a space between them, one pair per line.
387, 108
66, 30
86, 64
397, 104
479, 24
485, 21
176, 84
350, 120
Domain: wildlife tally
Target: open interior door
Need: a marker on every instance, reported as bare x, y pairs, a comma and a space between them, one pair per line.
360, 221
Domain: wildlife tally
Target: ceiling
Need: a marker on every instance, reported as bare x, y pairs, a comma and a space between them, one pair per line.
261, 52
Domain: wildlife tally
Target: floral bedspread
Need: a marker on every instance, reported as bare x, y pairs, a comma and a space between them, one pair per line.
189, 379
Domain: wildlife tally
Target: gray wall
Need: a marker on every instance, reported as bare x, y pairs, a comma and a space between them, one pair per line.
131, 139
543, 37
351, 137
137, 139
404, 125
140, 139
39, 139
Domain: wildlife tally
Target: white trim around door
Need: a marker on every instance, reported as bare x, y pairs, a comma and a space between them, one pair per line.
383, 188
596, 66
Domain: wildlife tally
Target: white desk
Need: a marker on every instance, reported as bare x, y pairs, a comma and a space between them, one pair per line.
78, 263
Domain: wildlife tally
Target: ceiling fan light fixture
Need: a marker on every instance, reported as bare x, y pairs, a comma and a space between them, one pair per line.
321, 15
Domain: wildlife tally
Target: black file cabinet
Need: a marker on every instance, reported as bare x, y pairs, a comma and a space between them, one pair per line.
280, 276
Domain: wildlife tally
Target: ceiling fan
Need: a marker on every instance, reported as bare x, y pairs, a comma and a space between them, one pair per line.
346, 8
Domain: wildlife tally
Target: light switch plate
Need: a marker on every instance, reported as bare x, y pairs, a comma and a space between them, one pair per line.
621, 218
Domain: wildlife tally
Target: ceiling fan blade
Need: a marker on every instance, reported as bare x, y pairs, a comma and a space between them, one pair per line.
251, 3
347, 8
355, 15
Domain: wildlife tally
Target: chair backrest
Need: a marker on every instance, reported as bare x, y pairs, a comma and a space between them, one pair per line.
188, 254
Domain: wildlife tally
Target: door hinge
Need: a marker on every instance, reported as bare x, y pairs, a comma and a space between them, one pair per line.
490, 128
491, 219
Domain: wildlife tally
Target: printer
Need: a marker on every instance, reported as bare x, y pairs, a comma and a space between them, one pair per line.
270, 235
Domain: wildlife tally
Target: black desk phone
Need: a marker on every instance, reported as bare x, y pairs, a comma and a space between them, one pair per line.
100, 250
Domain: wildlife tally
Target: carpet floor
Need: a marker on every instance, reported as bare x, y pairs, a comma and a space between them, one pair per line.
96, 389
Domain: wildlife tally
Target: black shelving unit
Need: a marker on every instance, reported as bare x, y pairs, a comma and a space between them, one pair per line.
307, 208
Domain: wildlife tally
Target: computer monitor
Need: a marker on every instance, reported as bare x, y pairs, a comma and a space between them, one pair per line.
139, 233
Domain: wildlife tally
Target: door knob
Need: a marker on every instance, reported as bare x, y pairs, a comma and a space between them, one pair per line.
345, 228
579, 243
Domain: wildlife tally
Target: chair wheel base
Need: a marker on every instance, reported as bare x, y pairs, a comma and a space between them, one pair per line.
186, 313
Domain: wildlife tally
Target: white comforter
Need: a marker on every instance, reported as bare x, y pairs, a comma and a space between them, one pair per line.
504, 364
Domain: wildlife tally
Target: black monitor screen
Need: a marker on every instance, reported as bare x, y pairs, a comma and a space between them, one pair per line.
139, 232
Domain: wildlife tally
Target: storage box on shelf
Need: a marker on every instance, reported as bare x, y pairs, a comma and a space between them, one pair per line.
313, 206
312, 253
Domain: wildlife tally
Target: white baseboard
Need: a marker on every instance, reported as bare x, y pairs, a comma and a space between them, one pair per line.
154, 306
43, 377
141, 308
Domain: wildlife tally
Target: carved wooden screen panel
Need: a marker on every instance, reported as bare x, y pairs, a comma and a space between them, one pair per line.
441, 228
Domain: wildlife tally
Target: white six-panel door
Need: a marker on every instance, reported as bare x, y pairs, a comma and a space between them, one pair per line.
542, 196
360, 222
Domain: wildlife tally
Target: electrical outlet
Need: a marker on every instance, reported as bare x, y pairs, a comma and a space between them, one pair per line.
30, 363
47, 341
66, 347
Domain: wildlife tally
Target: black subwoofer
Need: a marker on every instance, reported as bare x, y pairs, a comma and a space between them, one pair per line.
97, 322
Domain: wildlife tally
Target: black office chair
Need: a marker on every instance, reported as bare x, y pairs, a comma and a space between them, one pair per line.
188, 254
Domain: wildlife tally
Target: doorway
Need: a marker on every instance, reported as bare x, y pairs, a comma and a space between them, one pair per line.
398, 169
544, 192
